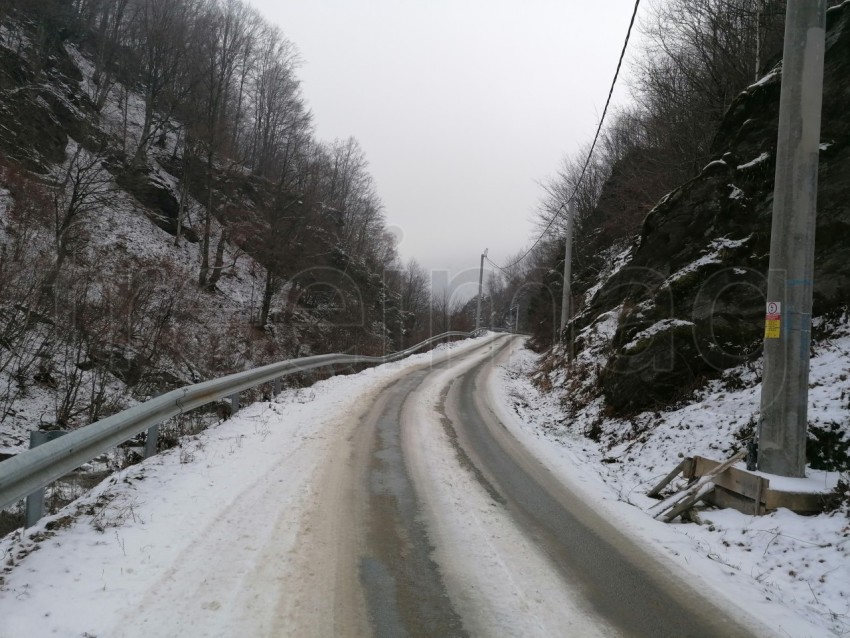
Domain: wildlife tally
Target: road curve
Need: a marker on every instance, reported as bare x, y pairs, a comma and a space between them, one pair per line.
622, 582
465, 533
392, 503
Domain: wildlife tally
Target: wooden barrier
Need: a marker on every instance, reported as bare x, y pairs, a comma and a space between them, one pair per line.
733, 487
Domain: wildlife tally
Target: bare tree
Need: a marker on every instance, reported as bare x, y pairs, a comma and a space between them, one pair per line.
162, 40
415, 296
447, 313
83, 186
700, 55
111, 22
225, 36
279, 118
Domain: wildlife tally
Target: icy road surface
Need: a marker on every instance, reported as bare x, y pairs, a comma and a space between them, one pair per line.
389, 503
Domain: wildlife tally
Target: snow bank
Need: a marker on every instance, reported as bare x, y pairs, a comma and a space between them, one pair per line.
791, 571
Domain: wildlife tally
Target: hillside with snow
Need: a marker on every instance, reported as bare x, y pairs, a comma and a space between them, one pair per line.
780, 566
139, 249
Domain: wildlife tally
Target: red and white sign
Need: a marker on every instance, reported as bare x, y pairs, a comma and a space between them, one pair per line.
773, 320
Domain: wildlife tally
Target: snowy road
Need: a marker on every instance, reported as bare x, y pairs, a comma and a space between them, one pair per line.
389, 503
459, 531
613, 583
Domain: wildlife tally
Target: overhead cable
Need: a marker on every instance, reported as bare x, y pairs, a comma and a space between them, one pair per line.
590, 153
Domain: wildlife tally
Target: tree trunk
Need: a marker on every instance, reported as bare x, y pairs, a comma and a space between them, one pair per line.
759, 11
141, 149
205, 244
125, 98
49, 283
205, 250
181, 210
184, 188
268, 292
291, 298
219, 260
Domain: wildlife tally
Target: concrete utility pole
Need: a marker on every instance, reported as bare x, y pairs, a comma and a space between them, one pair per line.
787, 337
480, 284
568, 257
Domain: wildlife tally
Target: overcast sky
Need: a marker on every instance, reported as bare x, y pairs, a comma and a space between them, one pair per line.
462, 106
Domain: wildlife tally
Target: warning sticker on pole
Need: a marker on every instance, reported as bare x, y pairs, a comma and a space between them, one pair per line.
773, 320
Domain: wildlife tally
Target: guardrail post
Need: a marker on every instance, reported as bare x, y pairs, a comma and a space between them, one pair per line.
35, 500
234, 404
35, 508
276, 387
151, 440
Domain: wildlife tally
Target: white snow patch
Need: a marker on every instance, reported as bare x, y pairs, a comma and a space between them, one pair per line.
615, 260
726, 243
774, 73
665, 325
761, 158
719, 162
815, 482
11, 33
711, 257
790, 571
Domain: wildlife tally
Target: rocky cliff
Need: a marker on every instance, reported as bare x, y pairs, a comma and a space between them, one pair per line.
689, 299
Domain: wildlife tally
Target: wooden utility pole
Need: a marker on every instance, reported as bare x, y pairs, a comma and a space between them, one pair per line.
480, 287
568, 254
784, 400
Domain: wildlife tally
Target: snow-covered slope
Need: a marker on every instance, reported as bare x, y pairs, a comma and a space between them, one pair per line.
124, 318
793, 571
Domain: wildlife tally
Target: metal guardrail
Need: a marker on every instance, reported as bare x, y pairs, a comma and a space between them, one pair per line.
36, 468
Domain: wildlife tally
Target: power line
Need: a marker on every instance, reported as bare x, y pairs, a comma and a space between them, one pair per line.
493, 263
590, 153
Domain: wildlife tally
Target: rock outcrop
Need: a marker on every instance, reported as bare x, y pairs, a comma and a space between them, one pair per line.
693, 292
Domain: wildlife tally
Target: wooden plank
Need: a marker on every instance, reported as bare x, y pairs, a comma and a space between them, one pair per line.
721, 497
744, 491
694, 492
800, 502
750, 485
703, 466
655, 491
689, 502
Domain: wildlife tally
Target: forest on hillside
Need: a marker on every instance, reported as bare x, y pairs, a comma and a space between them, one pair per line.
167, 213
673, 211
695, 58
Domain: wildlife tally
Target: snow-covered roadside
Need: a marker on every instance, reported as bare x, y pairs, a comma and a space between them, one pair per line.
105, 564
791, 572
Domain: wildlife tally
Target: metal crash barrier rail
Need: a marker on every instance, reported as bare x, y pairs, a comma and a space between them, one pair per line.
36, 468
